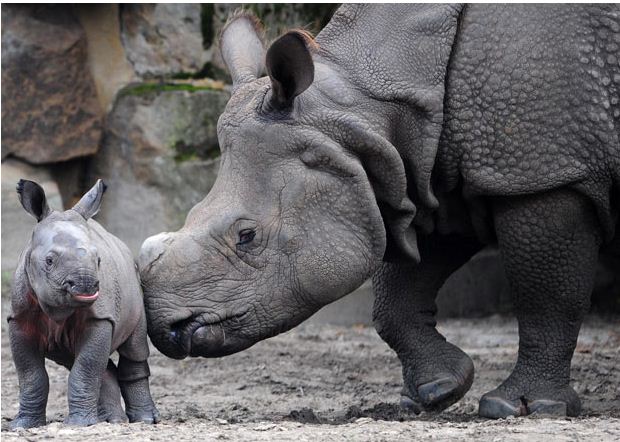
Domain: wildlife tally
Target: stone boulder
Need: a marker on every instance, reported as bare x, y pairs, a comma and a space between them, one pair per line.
159, 157
163, 39
50, 110
17, 224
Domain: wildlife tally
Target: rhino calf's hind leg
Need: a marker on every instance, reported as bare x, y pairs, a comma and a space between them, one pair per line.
133, 376
550, 245
109, 407
436, 373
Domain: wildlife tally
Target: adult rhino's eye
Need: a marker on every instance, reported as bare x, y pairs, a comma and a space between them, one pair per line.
98, 262
246, 236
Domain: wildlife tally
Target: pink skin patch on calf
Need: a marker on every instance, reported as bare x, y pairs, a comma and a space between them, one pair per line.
48, 333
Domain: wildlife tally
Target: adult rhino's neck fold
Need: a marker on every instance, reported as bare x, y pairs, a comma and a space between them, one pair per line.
397, 55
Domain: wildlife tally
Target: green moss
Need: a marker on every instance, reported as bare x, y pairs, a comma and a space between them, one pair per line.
149, 88
186, 152
209, 70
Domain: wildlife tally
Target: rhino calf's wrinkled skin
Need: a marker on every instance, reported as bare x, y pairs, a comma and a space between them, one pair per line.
76, 299
395, 145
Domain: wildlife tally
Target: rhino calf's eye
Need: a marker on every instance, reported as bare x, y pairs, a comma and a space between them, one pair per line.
98, 262
49, 261
246, 236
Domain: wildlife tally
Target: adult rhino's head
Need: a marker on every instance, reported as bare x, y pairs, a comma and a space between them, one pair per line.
295, 218
62, 261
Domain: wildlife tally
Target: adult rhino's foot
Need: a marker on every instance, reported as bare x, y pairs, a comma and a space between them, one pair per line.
437, 379
519, 396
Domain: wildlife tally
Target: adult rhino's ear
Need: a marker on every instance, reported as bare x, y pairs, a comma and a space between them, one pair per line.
89, 204
290, 67
241, 44
32, 197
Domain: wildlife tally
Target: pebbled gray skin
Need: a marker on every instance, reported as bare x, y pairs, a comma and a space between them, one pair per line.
76, 299
409, 137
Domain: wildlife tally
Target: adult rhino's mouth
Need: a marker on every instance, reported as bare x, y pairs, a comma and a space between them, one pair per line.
206, 336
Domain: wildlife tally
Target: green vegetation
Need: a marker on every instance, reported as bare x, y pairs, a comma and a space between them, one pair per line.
186, 152
209, 70
149, 88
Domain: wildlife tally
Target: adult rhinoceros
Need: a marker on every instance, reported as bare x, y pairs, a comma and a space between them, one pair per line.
393, 145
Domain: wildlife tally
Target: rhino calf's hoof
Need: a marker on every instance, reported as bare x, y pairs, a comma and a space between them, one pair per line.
27, 422
80, 420
148, 416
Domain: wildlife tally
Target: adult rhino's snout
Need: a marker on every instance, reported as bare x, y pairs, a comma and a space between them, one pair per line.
152, 250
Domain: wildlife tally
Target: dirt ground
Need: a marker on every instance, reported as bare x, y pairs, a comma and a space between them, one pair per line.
334, 383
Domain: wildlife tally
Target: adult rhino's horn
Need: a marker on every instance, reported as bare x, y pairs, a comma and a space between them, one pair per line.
241, 44
290, 67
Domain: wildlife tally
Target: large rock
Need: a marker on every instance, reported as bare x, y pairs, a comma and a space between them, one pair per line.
16, 223
160, 157
163, 39
50, 110
106, 55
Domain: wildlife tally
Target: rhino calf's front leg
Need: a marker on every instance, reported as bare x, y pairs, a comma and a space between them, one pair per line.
33, 379
87, 373
133, 376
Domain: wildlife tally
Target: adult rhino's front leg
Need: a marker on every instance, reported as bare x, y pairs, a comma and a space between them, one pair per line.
436, 373
550, 244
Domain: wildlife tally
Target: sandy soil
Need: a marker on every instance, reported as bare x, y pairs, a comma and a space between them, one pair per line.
335, 383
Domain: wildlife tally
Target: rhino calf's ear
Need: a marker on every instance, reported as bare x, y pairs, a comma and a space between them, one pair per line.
33, 199
89, 204
290, 67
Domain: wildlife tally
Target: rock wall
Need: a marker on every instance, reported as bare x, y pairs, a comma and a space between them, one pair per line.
131, 94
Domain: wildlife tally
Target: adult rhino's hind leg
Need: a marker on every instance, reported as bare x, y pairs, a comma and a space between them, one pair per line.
436, 373
550, 244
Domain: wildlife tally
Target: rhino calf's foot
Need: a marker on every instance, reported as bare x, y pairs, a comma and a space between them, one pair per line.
109, 408
81, 420
22, 421
134, 383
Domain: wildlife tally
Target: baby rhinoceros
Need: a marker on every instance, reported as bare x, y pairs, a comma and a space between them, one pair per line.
76, 299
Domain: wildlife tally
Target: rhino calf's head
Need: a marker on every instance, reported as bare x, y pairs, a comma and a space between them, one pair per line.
293, 221
62, 263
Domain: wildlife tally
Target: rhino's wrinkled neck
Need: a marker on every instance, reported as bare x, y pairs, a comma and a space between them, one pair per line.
401, 80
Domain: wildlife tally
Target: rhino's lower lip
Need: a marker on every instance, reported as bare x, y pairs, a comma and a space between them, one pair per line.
84, 297
196, 326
